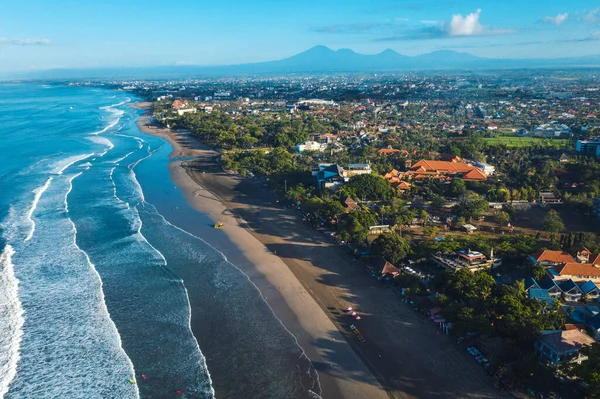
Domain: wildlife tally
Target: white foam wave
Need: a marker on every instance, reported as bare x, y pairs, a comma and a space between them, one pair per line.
102, 140
70, 189
112, 325
11, 317
317, 382
62, 165
36, 199
140, 141
117, 114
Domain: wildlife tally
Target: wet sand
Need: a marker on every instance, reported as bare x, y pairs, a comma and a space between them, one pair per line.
308, 281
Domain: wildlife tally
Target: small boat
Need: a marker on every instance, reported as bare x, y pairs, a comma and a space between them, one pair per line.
218, 225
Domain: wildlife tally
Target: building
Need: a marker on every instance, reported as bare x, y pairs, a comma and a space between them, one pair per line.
355, 169
553, 129
547, 197
487, 168
561, 347
562, 266
590, 290
328, 176
311, 146
551, 258
351, 204
588, 147
466, 259
570, 291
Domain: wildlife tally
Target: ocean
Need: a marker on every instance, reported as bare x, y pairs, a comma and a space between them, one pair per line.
100, 279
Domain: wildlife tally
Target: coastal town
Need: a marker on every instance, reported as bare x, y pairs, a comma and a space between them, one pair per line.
475, 199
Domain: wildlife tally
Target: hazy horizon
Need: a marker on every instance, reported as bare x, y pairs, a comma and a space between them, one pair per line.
114, 34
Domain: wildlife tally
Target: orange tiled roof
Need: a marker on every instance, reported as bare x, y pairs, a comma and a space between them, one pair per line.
578, 269
442, 166
475, 174
388, 151
553, 256
595, 260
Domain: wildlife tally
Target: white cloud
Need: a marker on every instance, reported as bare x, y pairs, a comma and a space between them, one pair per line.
559, 19
466, 26
595, 35
24, 42
470, 26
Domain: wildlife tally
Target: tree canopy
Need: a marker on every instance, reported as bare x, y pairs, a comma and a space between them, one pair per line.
369, 187
392, 247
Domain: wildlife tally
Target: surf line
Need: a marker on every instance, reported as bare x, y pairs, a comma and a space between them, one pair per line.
38, 192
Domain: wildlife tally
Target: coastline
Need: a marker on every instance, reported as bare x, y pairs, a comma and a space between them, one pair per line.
290, 302
310, 281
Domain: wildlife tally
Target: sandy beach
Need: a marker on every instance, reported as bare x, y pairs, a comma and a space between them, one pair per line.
308, 281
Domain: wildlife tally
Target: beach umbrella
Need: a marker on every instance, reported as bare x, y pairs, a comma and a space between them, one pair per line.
349, 309
353, 313
357, 317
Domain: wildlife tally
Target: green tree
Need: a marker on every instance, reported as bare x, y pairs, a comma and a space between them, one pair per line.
354, 226
370, 187
471, 205
502, 218
456, 188
589, 370
391, 247
552, 222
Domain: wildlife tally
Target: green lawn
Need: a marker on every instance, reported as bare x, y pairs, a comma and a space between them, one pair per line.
527, 141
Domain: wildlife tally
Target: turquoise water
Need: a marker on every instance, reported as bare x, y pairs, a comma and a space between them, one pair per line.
97, 280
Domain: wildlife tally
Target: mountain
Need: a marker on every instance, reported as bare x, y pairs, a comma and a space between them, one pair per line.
322, 59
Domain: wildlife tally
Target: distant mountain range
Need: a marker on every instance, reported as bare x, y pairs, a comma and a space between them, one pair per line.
321, 59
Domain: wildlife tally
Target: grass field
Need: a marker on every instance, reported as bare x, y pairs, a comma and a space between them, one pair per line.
527, 141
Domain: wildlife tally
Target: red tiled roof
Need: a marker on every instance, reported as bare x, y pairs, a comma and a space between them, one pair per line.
553, 256
388, 151
475, 174
578, 269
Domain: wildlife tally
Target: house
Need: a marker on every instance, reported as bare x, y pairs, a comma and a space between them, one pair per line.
388, 151
553, 129
564, 158
579, 271
530, 283
466, 259
561, 347
541, 295
551, 287
583, 255
328, 175
311, 146
548, 197
551, 258
446, 169
570, 290
469, 228
590, 290
386, 268
358, 169
351, 204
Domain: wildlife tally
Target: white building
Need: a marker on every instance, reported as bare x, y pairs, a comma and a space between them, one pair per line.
358, 169
182, 111
311, 146
553, 129
487, 168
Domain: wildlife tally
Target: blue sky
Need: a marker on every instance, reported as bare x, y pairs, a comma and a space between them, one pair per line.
41, 34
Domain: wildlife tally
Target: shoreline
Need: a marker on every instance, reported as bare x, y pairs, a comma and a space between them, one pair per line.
316, 280
293, 306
